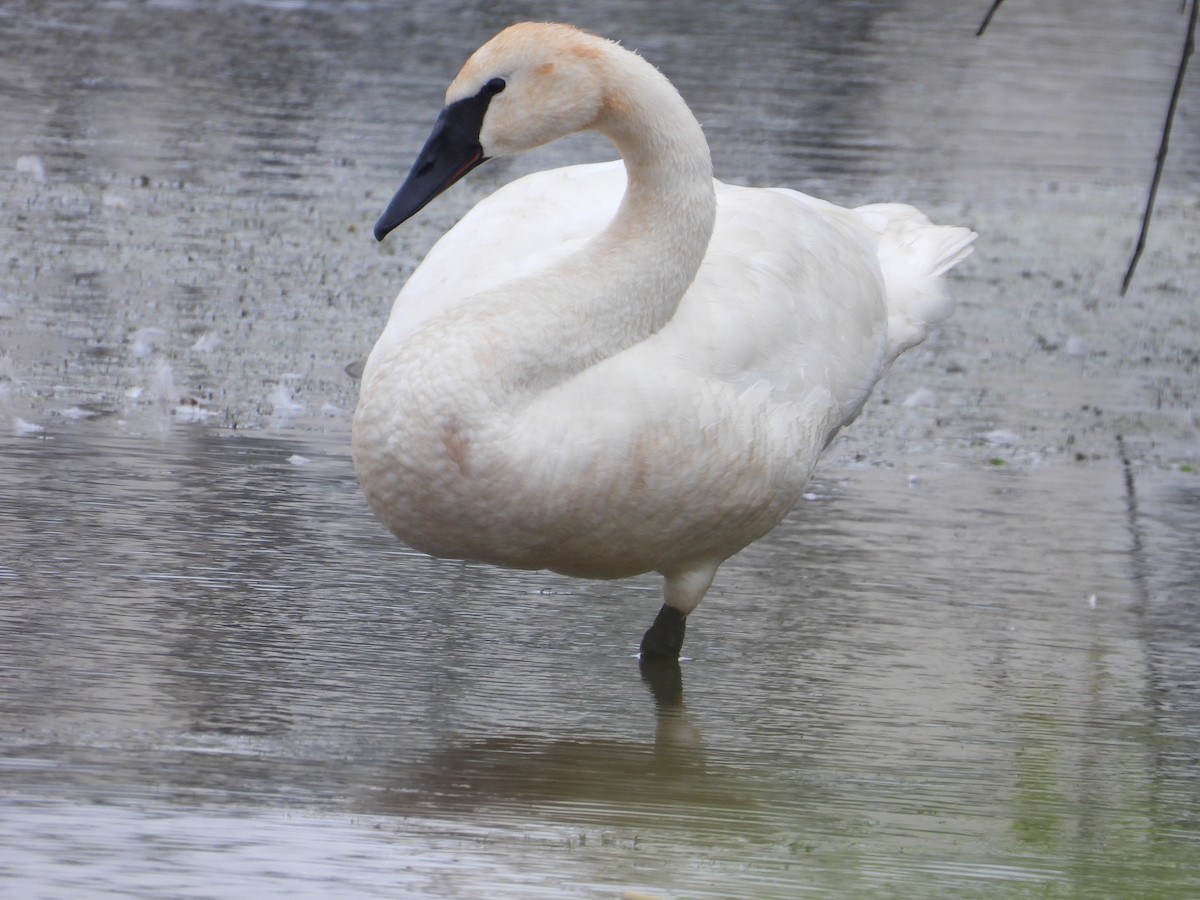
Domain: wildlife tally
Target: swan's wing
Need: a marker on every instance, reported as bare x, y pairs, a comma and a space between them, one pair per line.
788, 302
524, 226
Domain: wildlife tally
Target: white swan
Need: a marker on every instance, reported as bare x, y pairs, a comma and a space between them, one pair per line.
614, 369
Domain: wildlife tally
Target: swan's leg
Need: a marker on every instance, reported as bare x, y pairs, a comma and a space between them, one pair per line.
664, 639
683, 591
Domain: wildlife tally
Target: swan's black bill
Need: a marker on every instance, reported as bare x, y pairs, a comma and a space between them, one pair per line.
453, 150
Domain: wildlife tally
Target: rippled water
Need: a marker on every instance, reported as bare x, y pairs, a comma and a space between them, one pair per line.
965, 665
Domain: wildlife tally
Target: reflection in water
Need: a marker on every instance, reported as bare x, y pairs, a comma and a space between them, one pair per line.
643, 780
216, 627
960, 667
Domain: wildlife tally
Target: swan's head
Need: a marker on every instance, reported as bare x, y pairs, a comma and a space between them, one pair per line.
530, 84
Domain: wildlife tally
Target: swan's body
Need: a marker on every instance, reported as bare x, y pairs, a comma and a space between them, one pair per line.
603, 378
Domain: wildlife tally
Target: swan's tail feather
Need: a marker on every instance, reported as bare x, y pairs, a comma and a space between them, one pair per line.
913, 255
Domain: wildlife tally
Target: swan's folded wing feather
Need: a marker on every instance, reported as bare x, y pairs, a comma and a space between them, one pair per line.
526, 225
789, 295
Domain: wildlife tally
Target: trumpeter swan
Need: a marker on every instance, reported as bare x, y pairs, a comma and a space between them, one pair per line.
614, 369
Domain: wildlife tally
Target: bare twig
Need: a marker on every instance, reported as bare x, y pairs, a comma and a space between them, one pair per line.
1189, 46
988, 18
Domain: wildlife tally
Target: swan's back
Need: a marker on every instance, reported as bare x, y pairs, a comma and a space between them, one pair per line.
795, 294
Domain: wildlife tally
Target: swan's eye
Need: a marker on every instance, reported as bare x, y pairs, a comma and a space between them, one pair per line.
495, 86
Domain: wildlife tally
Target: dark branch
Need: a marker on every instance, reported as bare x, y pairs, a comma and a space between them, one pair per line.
988, 18
1189, 46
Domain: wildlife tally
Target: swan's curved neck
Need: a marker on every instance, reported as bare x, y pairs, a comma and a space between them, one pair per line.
626, 283
662, 229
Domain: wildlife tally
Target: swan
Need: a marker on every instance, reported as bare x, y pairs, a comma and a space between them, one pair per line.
614, 369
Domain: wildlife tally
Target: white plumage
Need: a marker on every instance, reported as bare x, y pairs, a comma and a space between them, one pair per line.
607, 378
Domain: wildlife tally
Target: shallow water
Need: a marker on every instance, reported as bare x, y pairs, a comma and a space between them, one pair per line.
964, 666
